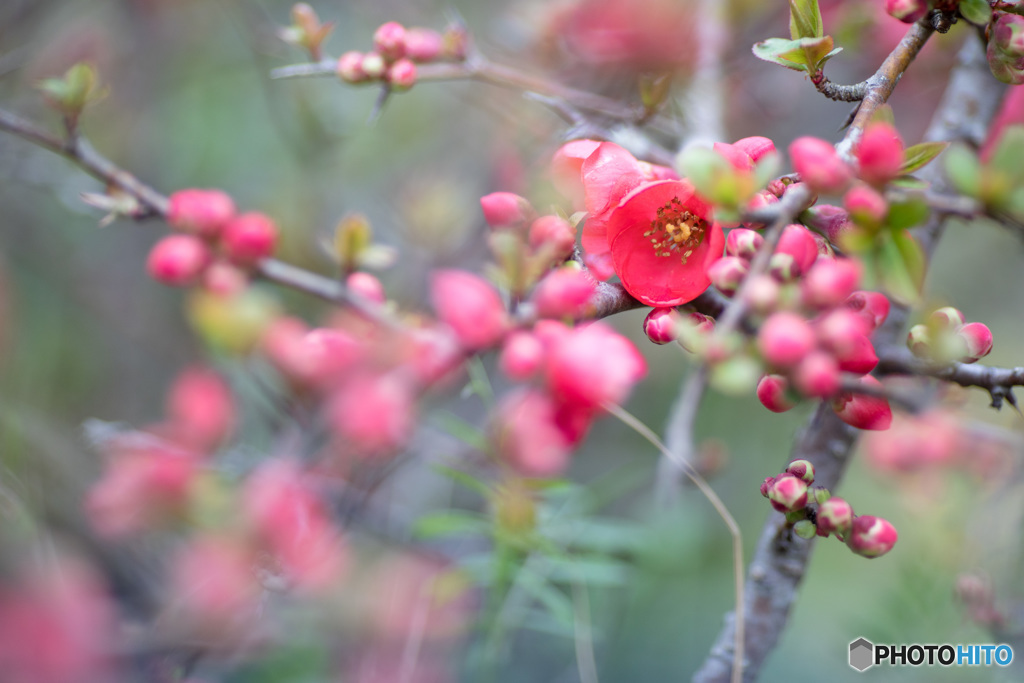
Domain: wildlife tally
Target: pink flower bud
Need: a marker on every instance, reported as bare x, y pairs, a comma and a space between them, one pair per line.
833, 221
553, 233
788, 493
224, 279
760, 200
350, 67
564, 293
946, 318
373, 66
522, 356
919, 341
727, 273
907, 11
871, 536
772, 391
527, 437
817, 375
470, 306
859, 358
200, 212
835, 516
201, 409
863, 411
798, 244
829, 283
866, 206
755, 147
762, 294
802, 469
872, 307
213, 582
402, 75
593, 365
505, 209
292, 524
840, 331
389, 41
766, 485
178, 260
422, 44
819, 165
978, 338
880, 154
693, 331
366, 286
249, 238
743, 243
373, 414
785, 338
662, 325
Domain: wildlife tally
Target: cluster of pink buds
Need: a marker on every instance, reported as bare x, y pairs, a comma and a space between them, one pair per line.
816, 326
396, 52
212, 241
1006, 48
946, 337
812, 511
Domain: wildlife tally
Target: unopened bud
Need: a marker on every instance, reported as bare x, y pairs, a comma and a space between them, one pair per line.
978, 339
521, 356
200, 212
871, 536
802, 469
762, 294
743, 243
946, 318
907, 11
422, 44
178, 260
919, 341
662, 325
772, 392
829, 283
835, 515
402, 75
389, 41
373, 66
867, 207
817, 375
880, 154
819, 165
788, 493
785, 338
505, 209
249, 238
727, 273
872, 307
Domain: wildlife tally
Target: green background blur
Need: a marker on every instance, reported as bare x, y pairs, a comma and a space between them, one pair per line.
87, 335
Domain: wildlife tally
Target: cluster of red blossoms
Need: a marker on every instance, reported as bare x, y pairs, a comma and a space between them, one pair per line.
814, 512
396, 52
215, 245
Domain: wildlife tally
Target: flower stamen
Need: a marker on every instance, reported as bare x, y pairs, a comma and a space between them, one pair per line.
676, 231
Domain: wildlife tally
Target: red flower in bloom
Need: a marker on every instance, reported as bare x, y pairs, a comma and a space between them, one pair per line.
663, 241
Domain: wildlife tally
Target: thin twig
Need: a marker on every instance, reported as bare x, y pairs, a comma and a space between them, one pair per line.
837, 92
723, 512
880, 86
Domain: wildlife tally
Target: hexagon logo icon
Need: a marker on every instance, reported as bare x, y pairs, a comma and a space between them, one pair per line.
862, 654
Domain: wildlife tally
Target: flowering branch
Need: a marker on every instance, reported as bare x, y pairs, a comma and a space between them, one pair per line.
780, 560
879, 87
997, 381
476, 67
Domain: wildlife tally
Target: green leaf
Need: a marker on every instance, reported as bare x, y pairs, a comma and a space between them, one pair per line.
964, 170
705, 168
554, 601
908, 182
479, 382
450, 523
787, 53
901, 267
906, 214
464, 479
805, 19
919, 156
977, 12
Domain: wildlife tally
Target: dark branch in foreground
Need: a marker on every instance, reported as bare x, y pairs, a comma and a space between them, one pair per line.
996, 381
781, 559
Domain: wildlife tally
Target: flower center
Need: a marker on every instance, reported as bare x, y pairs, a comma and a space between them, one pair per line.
676, 231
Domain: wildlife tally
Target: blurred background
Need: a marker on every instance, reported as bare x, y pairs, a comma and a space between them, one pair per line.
85, 334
